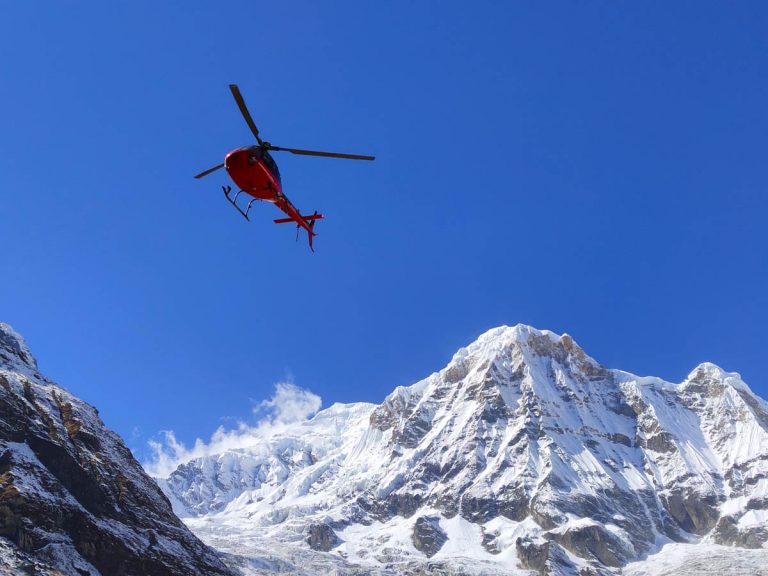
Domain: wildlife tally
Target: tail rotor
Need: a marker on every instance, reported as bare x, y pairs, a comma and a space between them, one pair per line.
311, 231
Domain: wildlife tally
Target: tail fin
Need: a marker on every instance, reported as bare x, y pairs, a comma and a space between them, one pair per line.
311, 234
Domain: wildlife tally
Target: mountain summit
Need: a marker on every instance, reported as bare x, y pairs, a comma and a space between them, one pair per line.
73, 500
523, 454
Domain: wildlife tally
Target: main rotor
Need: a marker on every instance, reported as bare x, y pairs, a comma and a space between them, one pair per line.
268, 146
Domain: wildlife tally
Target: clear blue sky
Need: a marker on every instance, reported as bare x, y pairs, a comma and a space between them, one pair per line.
597, 168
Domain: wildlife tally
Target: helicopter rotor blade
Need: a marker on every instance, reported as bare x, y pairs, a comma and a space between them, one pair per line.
209, 171
244, 111
317, 153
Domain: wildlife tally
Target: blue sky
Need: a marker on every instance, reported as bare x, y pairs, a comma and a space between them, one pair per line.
596, 168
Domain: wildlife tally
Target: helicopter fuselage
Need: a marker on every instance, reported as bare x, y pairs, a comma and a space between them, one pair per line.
255, 172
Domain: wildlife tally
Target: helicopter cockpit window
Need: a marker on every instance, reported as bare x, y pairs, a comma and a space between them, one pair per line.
271, 164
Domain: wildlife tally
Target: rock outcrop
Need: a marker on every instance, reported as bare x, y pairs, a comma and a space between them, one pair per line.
322, 538
427, 535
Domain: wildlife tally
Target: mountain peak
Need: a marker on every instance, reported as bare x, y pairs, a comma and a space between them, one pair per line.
496, 339
13, 349
711, 374
709, 369
528, 343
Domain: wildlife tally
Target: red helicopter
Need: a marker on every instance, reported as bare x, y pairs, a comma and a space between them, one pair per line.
255, 172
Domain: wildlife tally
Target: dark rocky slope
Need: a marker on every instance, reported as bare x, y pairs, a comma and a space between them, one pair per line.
73, 500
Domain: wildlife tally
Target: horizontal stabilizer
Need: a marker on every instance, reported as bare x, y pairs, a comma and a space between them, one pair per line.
305, 218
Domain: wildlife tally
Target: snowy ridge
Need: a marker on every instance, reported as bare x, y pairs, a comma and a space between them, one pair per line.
14, 353
523, 454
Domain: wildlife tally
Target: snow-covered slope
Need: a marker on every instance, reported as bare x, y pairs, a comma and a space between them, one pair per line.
73, 500
523, 454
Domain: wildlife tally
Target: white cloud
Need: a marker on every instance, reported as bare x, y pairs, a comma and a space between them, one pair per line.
289, 404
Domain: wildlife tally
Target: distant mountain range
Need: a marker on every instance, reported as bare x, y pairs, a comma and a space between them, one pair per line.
522, 456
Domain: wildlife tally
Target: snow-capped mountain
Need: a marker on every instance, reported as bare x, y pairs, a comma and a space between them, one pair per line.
73, 500
522, 455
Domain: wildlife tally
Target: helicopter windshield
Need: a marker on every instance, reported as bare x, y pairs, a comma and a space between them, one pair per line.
270, 163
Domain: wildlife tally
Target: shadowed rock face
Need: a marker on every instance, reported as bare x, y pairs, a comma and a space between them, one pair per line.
727, 532
596, 542
73, 500
427, 535
321, 537
695, 513
543, 556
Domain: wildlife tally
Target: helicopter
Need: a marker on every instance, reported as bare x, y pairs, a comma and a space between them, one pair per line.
255, 173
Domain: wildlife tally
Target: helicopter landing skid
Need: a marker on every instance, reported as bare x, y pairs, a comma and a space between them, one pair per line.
233, 201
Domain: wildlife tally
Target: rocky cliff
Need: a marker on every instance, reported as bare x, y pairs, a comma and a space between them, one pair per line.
73, 500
